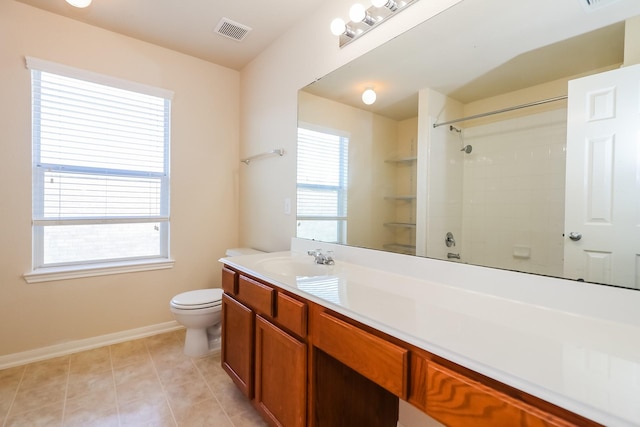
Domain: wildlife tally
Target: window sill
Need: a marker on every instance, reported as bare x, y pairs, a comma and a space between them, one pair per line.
74, 272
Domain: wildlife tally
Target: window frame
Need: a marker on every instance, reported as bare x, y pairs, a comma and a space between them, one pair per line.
41, 272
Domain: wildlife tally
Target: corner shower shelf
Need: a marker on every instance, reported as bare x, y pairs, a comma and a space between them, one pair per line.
407, 198
402, 160
400, 224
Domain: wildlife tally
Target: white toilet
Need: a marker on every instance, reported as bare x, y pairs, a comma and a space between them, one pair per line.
200, 312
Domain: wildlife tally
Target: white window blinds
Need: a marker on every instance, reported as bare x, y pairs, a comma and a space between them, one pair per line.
322, 185
100, 171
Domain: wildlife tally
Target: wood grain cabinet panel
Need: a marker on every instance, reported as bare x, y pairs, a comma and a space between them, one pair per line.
229, 281
281, 375
382, 362
237, 343
291, 314
458, 401
256, 295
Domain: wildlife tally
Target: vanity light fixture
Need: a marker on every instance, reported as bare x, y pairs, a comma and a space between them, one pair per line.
358, 13
363, 19
340, 28
369, 96
79, 3
389, 4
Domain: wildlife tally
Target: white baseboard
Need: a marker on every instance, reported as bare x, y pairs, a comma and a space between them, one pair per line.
22, 358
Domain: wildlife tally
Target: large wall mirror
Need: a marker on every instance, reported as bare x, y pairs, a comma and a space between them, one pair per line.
464, 154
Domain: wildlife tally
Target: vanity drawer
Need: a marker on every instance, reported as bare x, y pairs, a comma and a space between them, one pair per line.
291, 314
256, 295
456, 400
382, 362
229, 281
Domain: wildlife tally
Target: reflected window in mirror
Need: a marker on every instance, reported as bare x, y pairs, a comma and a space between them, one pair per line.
322, 184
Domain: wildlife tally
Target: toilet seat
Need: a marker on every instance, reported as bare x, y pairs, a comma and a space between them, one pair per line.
198, 299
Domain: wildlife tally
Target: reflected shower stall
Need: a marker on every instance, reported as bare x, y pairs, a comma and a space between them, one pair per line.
495, 181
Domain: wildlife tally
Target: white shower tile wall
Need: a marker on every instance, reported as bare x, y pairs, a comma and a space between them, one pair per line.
513, 197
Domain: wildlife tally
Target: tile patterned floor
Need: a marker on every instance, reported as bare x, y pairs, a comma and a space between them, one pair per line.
146, 382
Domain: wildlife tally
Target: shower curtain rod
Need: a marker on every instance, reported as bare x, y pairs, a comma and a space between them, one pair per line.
504, 110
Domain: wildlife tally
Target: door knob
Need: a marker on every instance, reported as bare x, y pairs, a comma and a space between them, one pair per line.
575, 236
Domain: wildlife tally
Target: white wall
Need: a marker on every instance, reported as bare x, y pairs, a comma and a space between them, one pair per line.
514, 193
269, 87
204, 195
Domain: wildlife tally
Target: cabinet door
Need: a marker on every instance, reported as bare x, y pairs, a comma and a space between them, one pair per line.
281, 375
237, 343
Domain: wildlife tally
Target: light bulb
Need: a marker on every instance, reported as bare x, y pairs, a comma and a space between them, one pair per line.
357, 12
338, 27
79, 3
369, 96
389, 4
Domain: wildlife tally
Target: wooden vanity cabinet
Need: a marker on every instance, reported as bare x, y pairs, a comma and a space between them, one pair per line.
264, 349
305, 365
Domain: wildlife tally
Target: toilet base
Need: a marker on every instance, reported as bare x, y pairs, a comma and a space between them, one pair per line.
199, 342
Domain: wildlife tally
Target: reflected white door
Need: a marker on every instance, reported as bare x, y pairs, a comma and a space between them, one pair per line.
602, 203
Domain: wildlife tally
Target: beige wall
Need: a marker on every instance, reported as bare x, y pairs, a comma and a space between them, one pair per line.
204, 166
632, 41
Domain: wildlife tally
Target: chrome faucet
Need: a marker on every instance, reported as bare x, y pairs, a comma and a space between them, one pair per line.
321, 258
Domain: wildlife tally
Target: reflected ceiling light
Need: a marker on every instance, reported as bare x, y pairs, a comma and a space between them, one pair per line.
79, 3
364, 19
358, 13
369, 96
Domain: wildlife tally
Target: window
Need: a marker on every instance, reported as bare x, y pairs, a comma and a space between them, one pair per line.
322, 185
100, 169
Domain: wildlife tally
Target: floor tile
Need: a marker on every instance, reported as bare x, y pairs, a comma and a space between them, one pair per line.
128, 353
149, 411
146, 382
30, 399
45, 416
52, 371
204, 413
248, 419
96, 360
184, 396
183, 371
88, 416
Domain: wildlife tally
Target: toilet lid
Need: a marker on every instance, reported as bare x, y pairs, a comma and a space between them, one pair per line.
198, 299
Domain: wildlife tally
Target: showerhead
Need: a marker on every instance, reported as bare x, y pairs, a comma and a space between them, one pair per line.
467, 149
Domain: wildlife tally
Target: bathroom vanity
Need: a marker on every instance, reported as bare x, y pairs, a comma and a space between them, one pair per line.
323, 345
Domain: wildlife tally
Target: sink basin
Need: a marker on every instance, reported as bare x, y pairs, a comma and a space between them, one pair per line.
296, 267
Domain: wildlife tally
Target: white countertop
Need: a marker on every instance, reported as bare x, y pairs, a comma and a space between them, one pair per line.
573, 344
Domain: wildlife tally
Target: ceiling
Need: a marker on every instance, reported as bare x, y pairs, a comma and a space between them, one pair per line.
187, 26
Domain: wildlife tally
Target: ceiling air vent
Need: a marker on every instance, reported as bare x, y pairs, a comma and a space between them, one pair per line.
590, 5
231, 29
